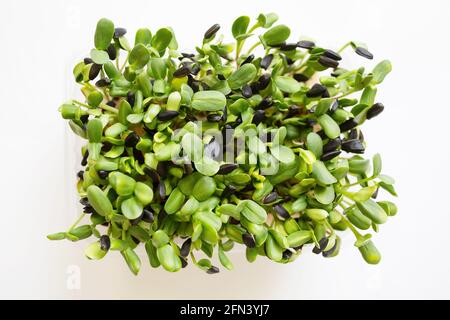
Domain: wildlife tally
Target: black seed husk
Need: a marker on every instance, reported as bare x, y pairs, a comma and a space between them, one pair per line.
326, 94
195, 69
293, 111
375, 110
229, 190
102, 174
80, 174
94, 71
281, 211
330, 155
348, 125
105, 242
247, 91
248, 59
161, 168
184, 263
233, 221
188, 55
186, 248
332, 55
84, 118
135, 240
88, 61
289, 61
328, 62
213, 270
334, 106
112, 52
330, 252
258, 117
84, 201
271, 197
263, 81
214, 117
88, 209
353, 146
265, 103
119, 32
266, 61
300, 77
323, 244
139, 156
248, 240
181, 72
103, 82
288, 46
211, 31
363, 52
332, 145
287, 254
131, 98
167, 115
85, 158
306, 44
221, 77
316, 91
111, 103
162, 191
353, 134
147, 215
132, 140
227, 168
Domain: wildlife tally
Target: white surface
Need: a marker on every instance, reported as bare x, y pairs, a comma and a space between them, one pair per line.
41, 40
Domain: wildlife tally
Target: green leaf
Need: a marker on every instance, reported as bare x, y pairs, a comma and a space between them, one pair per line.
381, 70
152, 255
388, 187
273, 250
370, 253
104, 33
298, 238
377, 165
317, 214
123, 184
321, 174
283, 153
314, 144
364, 194
143, 36
161, 39
325, 195
94, 251
224, 260
207, 166
287, 84
139, 56
329, 126
168, 258
209, 100
276, 35
386, 179
204, 188
372, 210
94, 130
132, 260
252, 211
267, 20
131, 208
143, 193
175, 201
240, 26
99, 56
57, 236
99, 201
242, 76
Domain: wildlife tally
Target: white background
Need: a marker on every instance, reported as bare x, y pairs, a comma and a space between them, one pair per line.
40, 42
